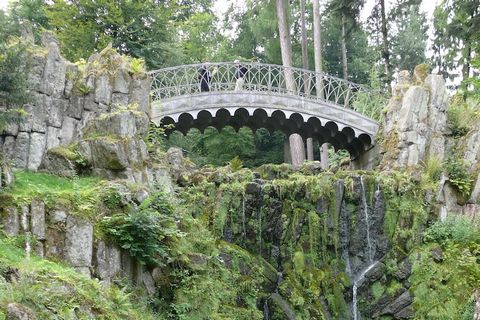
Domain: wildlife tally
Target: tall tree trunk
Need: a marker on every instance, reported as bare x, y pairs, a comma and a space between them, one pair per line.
306, 79
317, 46
297, 148
385, 49
344, 47
466, 63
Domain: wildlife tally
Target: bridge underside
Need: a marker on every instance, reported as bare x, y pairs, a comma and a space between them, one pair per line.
342, 128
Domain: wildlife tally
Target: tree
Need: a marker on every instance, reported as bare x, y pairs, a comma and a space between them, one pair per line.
141, 29
456, 28
360, 55
297, 148
14, 69
348, 11
410, 41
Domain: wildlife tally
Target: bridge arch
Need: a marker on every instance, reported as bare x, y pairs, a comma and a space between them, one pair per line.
314, 105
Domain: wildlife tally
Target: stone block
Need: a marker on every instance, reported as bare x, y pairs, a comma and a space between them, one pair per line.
75, 107
140, 93
36, 150
55, 111
52, 137
119, 99
38, 113
109, 154
122, 123
53, 83
8, 147
78, 242
11, 222
103, 90
70, 77
22, 145
68, 131
121, 83
108, 261
37, 212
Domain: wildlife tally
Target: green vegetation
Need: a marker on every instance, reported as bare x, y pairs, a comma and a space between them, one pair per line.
15, 64
461, 116
458, 175
145, 234
54, 291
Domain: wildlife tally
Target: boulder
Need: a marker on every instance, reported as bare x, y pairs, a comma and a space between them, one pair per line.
399, 304
121, 124
17, 311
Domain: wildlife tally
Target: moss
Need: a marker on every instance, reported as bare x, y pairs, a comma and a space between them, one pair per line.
377, 289
421, 72
83, 196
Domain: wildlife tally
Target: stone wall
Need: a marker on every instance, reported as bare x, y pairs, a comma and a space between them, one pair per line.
59, 234
65, 96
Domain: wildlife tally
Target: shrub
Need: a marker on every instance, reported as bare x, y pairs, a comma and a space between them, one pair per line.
146, 233
458, 175
461, 116
458, 230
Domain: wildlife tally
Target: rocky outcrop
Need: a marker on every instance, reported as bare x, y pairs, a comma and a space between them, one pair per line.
65, 96
416, 121
6, 176
17, 311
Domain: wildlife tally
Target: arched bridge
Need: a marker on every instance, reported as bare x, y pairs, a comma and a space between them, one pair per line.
292, 100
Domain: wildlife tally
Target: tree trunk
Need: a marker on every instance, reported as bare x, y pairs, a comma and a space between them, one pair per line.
385, 49
344, 47
324, 162
306, 79
285, 44
297, 148
310, 149
317, 46
466, 64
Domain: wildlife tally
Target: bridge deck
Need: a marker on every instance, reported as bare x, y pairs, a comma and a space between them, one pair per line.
275, 97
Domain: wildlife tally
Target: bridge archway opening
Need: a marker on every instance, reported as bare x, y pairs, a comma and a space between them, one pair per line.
308, 127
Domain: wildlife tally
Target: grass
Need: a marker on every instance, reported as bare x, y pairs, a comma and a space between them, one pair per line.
54, 291
81, 195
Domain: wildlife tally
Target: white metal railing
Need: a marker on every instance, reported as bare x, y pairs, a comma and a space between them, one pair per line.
263, 78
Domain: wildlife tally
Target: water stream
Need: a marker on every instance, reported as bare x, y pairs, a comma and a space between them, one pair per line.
361, 277
365, 211
243, 218
358, 281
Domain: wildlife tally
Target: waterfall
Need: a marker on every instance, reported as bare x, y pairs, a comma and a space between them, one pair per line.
361, 277
356, 284
266, 312
243, 218
365, 211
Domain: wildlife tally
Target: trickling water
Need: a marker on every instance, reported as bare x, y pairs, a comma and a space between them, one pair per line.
260, 232
266, 311
243, 217
365, 210
356, 283
344, 242
24, 223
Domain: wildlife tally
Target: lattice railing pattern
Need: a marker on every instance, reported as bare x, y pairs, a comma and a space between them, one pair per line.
264, 78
